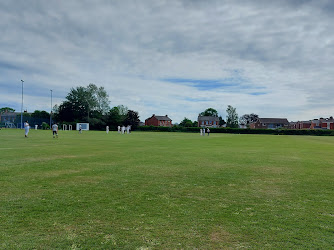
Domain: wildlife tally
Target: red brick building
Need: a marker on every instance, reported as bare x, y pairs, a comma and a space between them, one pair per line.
270, 123
323, 123
302, 125
157, 120
208, 121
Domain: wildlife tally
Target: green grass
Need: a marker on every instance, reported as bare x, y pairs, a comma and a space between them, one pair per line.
152, 190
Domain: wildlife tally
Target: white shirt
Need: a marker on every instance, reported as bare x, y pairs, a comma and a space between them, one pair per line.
54, 127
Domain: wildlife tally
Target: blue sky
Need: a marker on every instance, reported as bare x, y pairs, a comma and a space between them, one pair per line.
272, 58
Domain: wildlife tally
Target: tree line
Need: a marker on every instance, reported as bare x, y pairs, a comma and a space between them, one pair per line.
232, 119
91, 104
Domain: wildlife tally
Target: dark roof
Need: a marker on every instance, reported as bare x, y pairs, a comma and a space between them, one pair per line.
327, 120
208, 118
160, 118
274, 120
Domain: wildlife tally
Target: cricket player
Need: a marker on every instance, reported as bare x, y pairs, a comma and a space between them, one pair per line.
55, 130
26, 129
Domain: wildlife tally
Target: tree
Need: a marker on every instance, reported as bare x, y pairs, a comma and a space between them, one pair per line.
209, 112
83, 103
232, 117
186, 123
6, 109
247, 119
98, 98
132, 119
117, 116
221, 121
40, 114
68, 112
122, 110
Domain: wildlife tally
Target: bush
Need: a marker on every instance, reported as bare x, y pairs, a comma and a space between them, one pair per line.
317, 132
45, 126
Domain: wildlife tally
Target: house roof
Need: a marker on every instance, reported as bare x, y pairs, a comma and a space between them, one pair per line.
208, 118
160, 118
305, 122
326, 120
274, 120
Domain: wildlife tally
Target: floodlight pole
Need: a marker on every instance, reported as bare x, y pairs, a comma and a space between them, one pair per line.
22, 104
51, 110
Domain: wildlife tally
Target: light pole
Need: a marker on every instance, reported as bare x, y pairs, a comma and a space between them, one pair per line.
51, 110
22, 104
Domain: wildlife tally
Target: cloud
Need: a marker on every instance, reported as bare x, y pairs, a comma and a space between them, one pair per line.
273, 58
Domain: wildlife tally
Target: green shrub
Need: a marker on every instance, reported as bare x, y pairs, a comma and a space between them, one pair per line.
317, 132
45, 126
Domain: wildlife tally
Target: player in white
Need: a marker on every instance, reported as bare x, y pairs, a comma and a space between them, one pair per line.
119, 129
55, 130
80, 129
128, 129
107, 129
201, 131
123, 129
26, 129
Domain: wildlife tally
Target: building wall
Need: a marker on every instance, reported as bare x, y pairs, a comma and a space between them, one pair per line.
260, 125
165, 123
153, 121
318, 124
208, 123
306, 125
257, 124
302, 125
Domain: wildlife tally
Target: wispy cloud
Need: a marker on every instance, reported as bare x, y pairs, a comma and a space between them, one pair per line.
203, 84
273, 58
258, 93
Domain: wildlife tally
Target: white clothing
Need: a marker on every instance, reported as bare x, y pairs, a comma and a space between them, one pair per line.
54, 127
26, 128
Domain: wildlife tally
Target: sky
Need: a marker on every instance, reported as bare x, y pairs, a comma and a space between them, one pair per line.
175, 58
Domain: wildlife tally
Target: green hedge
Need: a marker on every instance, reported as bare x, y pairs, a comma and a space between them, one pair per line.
318, 132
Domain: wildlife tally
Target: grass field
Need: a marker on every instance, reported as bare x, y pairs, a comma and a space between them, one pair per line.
152, 190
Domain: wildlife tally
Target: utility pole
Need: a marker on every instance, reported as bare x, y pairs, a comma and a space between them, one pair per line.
22, 105
51, 110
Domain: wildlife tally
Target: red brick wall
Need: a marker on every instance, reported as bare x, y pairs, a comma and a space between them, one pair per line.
165, 123
306, 125
151, 121
257, 124
155, 122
